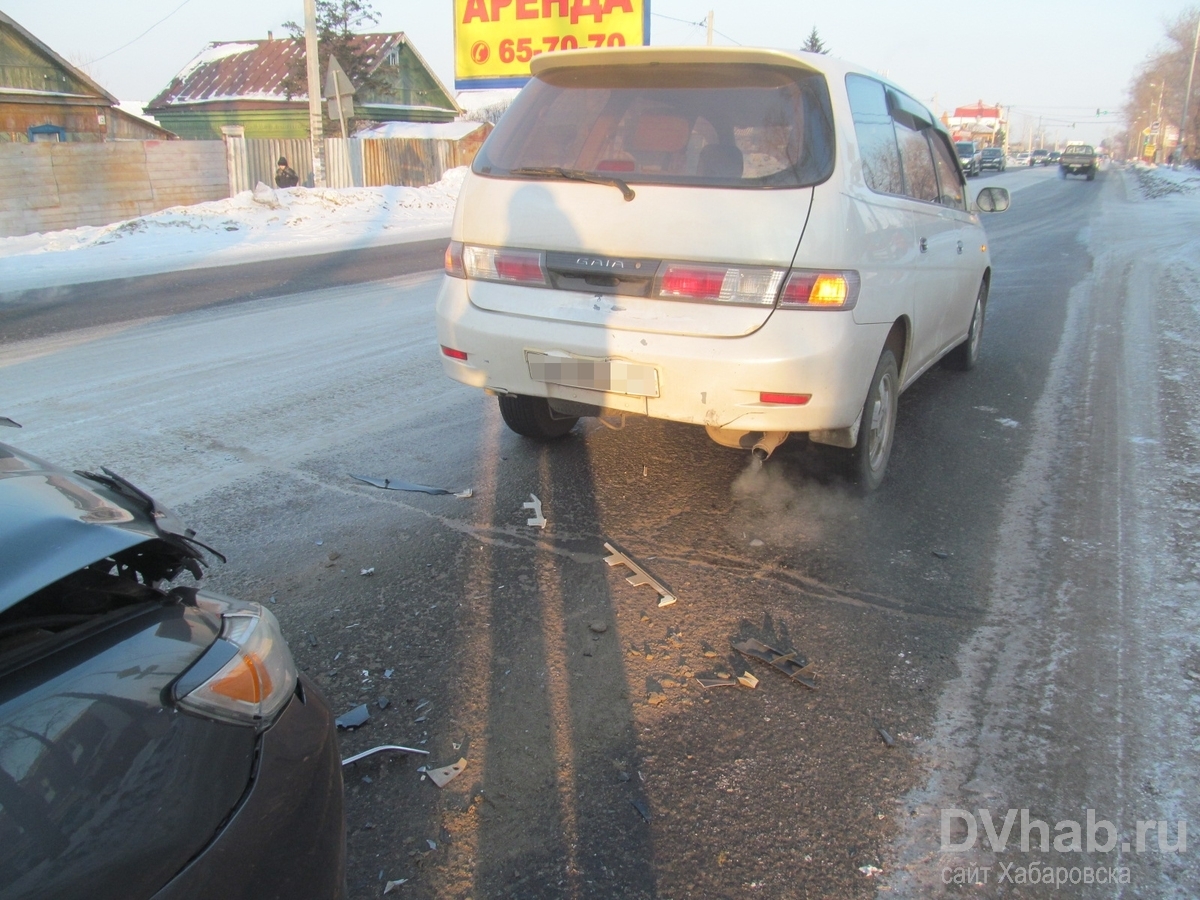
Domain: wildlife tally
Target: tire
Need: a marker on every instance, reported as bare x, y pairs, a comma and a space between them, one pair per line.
869, 458
531, 417
964, 357
1091, 175
1062, 173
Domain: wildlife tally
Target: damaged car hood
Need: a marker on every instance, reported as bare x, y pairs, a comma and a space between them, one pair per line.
54, 522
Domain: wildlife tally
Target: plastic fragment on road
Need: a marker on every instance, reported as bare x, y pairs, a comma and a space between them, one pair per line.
640, 576
641, 808
786, 663
368, 572
360, 715
747, 680
443, 776
712, 681
392, 885
392, 484
538, 520
870, 871
887, 738
383, 748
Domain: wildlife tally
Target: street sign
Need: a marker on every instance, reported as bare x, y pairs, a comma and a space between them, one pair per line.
339, 91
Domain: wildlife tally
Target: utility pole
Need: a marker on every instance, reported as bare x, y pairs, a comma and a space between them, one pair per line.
316, 131
1187, 95
710, 27
1162, 131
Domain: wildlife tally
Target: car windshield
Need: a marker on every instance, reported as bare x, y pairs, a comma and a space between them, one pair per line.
729, 125
966, 148
991, 153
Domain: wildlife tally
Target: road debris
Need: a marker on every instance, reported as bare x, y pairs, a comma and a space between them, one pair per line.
640, 576
712, 681
392, 885
598, 627
870, 871
538, 520
887, 738
383, 748
940, 554
368, 572
383, 702
791, 664
641, 808
360, 715
747, 680
392, 484
443, 776
1195, 676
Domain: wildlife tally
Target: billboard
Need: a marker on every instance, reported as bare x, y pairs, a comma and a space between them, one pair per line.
495, 40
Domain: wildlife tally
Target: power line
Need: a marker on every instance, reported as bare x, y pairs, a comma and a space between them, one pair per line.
701, 24
146, 32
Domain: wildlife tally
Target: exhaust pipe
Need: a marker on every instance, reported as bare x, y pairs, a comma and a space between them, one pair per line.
767, 444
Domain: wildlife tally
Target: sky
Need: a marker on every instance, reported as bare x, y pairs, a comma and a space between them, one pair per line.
1056, 61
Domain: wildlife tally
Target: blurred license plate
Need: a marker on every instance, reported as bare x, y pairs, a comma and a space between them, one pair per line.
612, 376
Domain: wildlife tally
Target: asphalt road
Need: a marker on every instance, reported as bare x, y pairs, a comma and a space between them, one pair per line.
942, 609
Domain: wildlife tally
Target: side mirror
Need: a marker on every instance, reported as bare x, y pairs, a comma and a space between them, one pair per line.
992, 199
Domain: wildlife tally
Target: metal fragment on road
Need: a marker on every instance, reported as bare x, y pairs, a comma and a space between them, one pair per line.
383, 748
538, 520
392, 484
360, 715
443, 776
786, 663
641, 808
640, 576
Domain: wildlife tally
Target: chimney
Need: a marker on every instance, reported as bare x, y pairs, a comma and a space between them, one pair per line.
270, 36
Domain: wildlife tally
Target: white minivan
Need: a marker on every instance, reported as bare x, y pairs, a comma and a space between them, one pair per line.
753, 241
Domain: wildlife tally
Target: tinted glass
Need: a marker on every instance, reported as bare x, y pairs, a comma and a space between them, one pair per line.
716, 125
965, 149
950, 186
991, 153
876, 136
920, 182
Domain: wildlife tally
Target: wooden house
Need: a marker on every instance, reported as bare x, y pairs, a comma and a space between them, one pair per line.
243, 83
45, 98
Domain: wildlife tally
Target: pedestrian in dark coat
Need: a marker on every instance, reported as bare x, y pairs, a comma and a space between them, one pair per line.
285, 175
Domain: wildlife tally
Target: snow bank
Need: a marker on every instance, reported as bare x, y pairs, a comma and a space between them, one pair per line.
255, 225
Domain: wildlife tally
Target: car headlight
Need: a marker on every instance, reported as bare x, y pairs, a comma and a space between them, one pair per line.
247, 676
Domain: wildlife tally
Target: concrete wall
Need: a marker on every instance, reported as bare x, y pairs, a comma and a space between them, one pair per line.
48, 187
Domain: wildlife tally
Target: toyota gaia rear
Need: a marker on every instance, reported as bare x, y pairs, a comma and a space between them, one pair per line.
752, 241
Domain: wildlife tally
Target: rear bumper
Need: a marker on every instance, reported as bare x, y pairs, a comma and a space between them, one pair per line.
712, 381
287, 838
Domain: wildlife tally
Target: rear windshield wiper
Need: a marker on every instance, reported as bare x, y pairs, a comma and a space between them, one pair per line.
575, 175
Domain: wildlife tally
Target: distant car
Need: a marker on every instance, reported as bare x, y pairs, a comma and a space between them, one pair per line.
1021, 159
155, 739
970, 156
1053, 158
1078, 159
1039, 158
992, 158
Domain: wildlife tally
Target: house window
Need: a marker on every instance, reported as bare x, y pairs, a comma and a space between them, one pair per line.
43, 133
393, 57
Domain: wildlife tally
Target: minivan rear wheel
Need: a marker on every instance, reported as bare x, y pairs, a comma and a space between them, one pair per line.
532, 417
966, 355
869, 458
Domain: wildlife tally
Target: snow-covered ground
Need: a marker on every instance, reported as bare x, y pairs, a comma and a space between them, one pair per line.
255, 225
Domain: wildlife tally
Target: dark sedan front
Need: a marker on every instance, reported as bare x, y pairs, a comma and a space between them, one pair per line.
156, 740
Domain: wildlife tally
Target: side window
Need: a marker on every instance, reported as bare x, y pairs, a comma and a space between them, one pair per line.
920, 179
876, 136
951, 186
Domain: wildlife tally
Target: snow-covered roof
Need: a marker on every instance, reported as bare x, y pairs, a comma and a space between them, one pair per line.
446, 131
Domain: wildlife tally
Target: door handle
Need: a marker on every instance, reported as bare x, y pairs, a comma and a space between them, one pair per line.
924, 245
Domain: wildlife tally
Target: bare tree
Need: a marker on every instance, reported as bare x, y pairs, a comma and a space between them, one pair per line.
1156, 92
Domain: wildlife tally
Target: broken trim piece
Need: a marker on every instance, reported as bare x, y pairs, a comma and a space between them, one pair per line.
778, 660
443, 776
640, 576
383, 748
390, 484
538, 520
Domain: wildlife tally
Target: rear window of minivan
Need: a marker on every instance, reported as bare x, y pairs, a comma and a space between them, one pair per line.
715, 125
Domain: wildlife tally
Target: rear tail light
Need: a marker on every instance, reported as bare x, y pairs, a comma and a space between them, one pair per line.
454, 354
788, 399
500, 264
814, 289
454, 260
724, 284
247, 676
